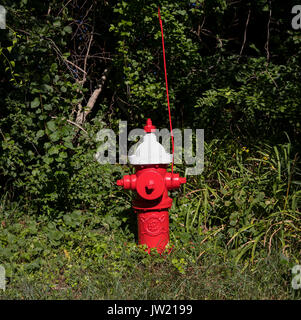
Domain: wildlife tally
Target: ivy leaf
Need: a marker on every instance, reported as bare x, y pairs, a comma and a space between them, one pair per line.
40, 134
54, 150
182, 12
51, 125
54, 136
68, 144
35, 103
57, 23
68, 29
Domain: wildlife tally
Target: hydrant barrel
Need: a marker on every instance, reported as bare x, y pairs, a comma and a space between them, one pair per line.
153, 229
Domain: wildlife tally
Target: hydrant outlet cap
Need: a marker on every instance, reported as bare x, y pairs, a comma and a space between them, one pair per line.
119, 182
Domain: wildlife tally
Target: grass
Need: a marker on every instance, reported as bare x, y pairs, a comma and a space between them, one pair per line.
211, 277
235, 230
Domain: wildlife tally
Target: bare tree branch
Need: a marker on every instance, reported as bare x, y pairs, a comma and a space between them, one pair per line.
267, 44
245, 33
86, 58
82, 113
73, 123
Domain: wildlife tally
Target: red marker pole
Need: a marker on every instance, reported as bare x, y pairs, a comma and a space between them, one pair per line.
166, 84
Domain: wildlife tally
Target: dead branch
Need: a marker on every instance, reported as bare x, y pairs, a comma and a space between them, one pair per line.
82, 113
73, 123
245, 33
86, 58
267, 44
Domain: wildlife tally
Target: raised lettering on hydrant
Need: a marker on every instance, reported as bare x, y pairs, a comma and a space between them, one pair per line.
152, 182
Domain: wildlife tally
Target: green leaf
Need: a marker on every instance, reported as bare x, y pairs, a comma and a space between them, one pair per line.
47, 160
54, 235
54, 136
46, 78
57, 23
68, 144
35, 103
47, 106
53, 67
63, 155
51, 125
68, 29
40, 134
54, 150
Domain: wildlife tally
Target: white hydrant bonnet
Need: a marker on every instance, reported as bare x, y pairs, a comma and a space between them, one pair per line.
150, 151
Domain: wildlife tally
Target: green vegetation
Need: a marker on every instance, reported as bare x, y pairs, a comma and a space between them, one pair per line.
69, 69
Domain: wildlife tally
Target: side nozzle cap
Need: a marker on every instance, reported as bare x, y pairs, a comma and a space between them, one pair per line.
182, 180
120, 182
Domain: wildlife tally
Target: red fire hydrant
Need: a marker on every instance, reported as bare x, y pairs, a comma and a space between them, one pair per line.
152, 182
